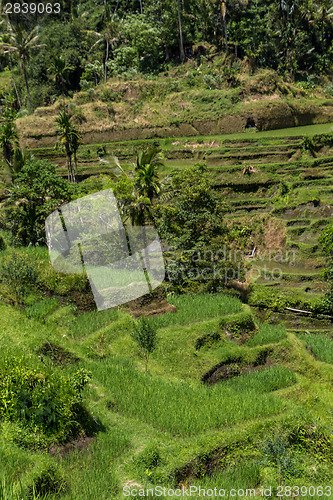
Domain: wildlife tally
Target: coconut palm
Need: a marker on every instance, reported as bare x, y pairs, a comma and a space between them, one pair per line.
321, 13
146, 173
108, 37
136, 205
180, 31
224, 8
8, 140
59, 72
69, 139
20, 43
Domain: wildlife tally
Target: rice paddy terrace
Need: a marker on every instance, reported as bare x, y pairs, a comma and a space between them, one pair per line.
258, 176
230, 400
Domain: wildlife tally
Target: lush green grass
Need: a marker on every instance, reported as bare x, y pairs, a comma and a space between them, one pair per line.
239, 476
192, 308
90, 322
179, 409
41, 309
185, 409
322, 346
170, 403
268, 334
93, 470
5, 79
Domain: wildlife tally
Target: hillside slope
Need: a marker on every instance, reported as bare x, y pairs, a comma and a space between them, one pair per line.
174, 106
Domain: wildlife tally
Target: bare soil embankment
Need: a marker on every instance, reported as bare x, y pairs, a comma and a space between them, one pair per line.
124, 123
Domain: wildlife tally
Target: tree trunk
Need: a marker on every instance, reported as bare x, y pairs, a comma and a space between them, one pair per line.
224, 12
71, 173
106, 60
72, 170
75, 163
224, 22
27, 85
16, 92
181, 43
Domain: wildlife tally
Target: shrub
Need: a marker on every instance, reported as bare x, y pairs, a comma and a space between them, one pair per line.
242, 328
2, 244
150, 458
315, 143
277, 453
19, 271
146, 338
46, 478
329, 90
37, 192
44, 402
175, 86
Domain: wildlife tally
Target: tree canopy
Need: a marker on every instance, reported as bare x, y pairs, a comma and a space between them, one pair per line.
126, 38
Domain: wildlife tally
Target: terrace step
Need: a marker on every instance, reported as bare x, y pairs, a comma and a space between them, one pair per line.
268, 157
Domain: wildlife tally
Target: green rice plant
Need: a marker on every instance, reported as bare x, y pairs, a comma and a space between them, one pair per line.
244, 475
90, 322
39, 310
322, 346
9, 491
93, 469
46, 478
268, 334
264, 380
187, 409
192, 308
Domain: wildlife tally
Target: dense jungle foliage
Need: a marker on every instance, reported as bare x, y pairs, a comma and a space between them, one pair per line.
88, 41
222, 375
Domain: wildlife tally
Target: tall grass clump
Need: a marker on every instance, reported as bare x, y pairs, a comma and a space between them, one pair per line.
191, 308
264, 380
19, 272
322, 347
39, 310
90, 322
268, 334
92, 470
185, 409
241, 476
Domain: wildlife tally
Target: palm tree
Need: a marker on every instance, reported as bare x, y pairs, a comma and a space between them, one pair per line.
59, 72
180, 31
321, 13
8, 140
21, 43
146, 170
109, 37
69, 139
224, 13
136, 206
224, 5
21, 156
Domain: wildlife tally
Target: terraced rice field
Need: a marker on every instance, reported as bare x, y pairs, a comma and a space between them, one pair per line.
285, 183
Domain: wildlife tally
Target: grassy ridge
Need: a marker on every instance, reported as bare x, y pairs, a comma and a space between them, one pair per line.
184, 409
